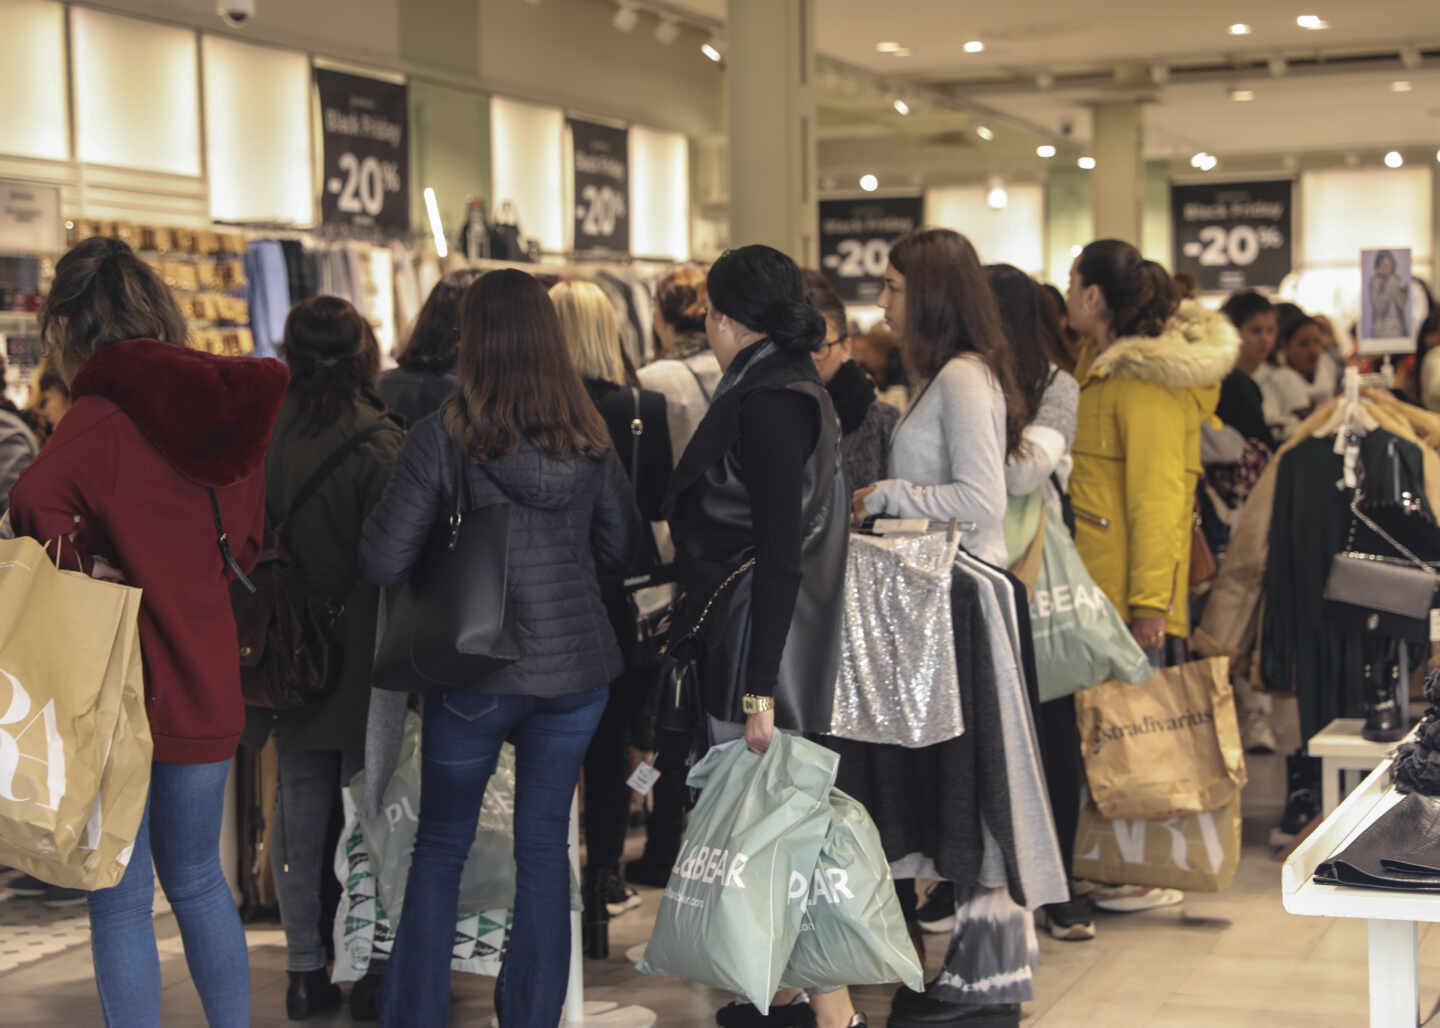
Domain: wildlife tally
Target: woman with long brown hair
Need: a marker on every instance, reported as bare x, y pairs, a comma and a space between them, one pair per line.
532, 439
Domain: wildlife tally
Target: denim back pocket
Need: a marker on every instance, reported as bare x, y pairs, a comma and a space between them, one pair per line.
469, 706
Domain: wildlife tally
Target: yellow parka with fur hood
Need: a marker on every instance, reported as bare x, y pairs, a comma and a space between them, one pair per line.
1137, 459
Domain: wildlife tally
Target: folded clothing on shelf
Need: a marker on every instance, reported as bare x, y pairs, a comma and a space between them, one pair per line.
1399, 852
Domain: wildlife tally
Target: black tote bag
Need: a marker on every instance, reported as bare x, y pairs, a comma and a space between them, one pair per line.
453, 623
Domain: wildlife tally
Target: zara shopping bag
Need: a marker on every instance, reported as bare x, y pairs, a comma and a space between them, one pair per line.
1197, 852
1080, 638
852, 931
1166, 748
75, 745
726, 919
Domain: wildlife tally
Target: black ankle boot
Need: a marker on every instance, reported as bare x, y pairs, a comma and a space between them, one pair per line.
1302, 803
365, 996
310, 993
1382, 720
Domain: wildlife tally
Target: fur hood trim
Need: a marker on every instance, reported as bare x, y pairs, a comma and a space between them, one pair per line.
209, 416
1197, 349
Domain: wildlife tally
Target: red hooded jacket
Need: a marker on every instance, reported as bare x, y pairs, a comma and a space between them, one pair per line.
151, 426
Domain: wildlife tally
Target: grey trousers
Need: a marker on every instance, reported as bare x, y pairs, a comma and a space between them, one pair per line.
310, 781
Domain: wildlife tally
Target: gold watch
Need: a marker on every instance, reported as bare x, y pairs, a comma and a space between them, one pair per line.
752, 704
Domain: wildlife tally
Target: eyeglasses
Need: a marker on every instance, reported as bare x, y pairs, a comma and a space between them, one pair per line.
825, 348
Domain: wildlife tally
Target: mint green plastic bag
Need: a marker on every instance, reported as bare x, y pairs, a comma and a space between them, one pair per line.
726, 919
852, 931
1080, 639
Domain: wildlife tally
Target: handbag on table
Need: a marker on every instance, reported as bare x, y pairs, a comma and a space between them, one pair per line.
453, 623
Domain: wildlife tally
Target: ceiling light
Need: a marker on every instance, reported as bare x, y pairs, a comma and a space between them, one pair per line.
985, 132
1159, 73
974, 46
1239, 29
1242, 96
1076, 250
1437, 156
1087, 162
667, 31
1401, 86
904, 51
626, 18
1209, 163
1198, 159
888, 47
1045, 150
869, 183
1394, 159
1313, 22
437, 228
713, 49
901, 107
997, 198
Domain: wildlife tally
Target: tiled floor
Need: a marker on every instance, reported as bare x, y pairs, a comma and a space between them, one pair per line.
1235, 959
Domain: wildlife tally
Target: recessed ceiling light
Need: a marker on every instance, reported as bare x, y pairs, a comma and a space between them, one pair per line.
1401, 86
667, 30
1088, 163
1313, 22
1198, 159
1209, 163
901, 107
1239, 29
888, 47
1045, 150
1437, 156
711, 49
1394, 159
626, 18
997, 198
1076, 250
974, 46
869, 183
1242, 96
985, 132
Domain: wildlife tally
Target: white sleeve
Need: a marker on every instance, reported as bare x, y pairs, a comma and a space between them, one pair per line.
1041, 450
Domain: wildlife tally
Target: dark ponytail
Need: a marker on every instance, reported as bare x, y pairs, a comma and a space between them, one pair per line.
764, 290
1139, 293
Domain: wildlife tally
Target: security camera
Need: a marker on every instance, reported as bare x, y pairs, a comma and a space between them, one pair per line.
1067, 128
236, 12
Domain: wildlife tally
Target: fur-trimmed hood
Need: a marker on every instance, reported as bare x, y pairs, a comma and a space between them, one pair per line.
1196, 350
209, 416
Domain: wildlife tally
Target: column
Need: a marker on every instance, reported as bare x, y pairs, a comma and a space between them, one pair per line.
770, 65
1119, 176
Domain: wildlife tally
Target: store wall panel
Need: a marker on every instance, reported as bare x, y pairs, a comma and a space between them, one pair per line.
450, 152
1346, 210
137, 99
1014, 234
528, 168
659, 194
566, 52
257, 132
34, 119
118, 194
1069, 220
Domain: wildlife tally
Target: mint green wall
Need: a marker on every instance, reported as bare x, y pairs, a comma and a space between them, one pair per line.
1070, 217
449, 152
1155, 221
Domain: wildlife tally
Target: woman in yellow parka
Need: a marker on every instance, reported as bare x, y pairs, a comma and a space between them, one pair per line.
1149, 375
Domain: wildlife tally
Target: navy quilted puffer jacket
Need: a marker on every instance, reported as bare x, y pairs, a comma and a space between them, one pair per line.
568, 517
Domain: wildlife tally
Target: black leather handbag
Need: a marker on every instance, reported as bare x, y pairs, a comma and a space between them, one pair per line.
453, 623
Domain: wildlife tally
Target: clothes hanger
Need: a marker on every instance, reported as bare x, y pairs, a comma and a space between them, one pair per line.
1350, 413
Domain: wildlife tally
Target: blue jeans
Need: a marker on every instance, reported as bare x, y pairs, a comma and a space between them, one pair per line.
181, 828
460, 747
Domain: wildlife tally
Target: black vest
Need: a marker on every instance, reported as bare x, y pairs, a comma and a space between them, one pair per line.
712, 526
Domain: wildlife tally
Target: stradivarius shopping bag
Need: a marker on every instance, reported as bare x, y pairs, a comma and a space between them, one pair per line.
852, 931
726, 919
1080, 638
75, 744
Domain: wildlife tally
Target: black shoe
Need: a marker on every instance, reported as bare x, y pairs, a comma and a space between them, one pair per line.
615, 894
28, 887
937, 914
651, 869
59, 898
796, 1014
1069, 922
365, 997
1382, 710
1302, 804
917, 1010
311, 993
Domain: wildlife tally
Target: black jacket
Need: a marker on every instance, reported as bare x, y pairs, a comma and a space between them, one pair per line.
617, 406
1242, 407
415, 395
568, 517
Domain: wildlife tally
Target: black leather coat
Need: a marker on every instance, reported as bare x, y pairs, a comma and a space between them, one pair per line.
713, 531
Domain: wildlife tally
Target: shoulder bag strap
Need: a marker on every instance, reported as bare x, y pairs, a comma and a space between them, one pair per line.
457, 513
327, 467
637, 429
224, 539
699, 384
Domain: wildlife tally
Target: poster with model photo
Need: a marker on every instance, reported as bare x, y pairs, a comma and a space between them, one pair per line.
365, 126
1386, 324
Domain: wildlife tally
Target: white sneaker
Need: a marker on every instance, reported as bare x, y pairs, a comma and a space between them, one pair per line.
1130, 899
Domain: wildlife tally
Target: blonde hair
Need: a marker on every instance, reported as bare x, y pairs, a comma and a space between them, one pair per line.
591, 330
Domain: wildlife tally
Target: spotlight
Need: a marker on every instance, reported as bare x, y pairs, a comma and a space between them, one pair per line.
869, 183
985, 132
1210, 162
1045, 150
1198, 159
997, 198
974, 46
626, 18
901, 107
1401, 86
1437, 161
1076, 250
667, 31
1242, 96
437, 228
1088, 163
888, 47
714, 49
1239, 29
1313, 22
1394, 159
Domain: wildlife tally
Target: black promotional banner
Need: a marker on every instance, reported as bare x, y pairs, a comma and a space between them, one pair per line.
367, 152
602, 188
1233, 235
855, 240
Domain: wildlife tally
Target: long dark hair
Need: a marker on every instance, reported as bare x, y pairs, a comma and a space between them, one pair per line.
764, 290
1022, 303
516, 380
950, 310
333, 358
435, 338
1139, 293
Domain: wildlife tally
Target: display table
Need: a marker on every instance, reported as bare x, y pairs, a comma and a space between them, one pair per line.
1342, 748
1393, 917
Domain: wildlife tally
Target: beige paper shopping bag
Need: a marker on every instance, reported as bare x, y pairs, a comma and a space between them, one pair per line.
1193, 852
1165, 748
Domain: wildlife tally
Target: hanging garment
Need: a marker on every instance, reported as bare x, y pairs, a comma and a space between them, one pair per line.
992, 953
268, 293
297, 271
